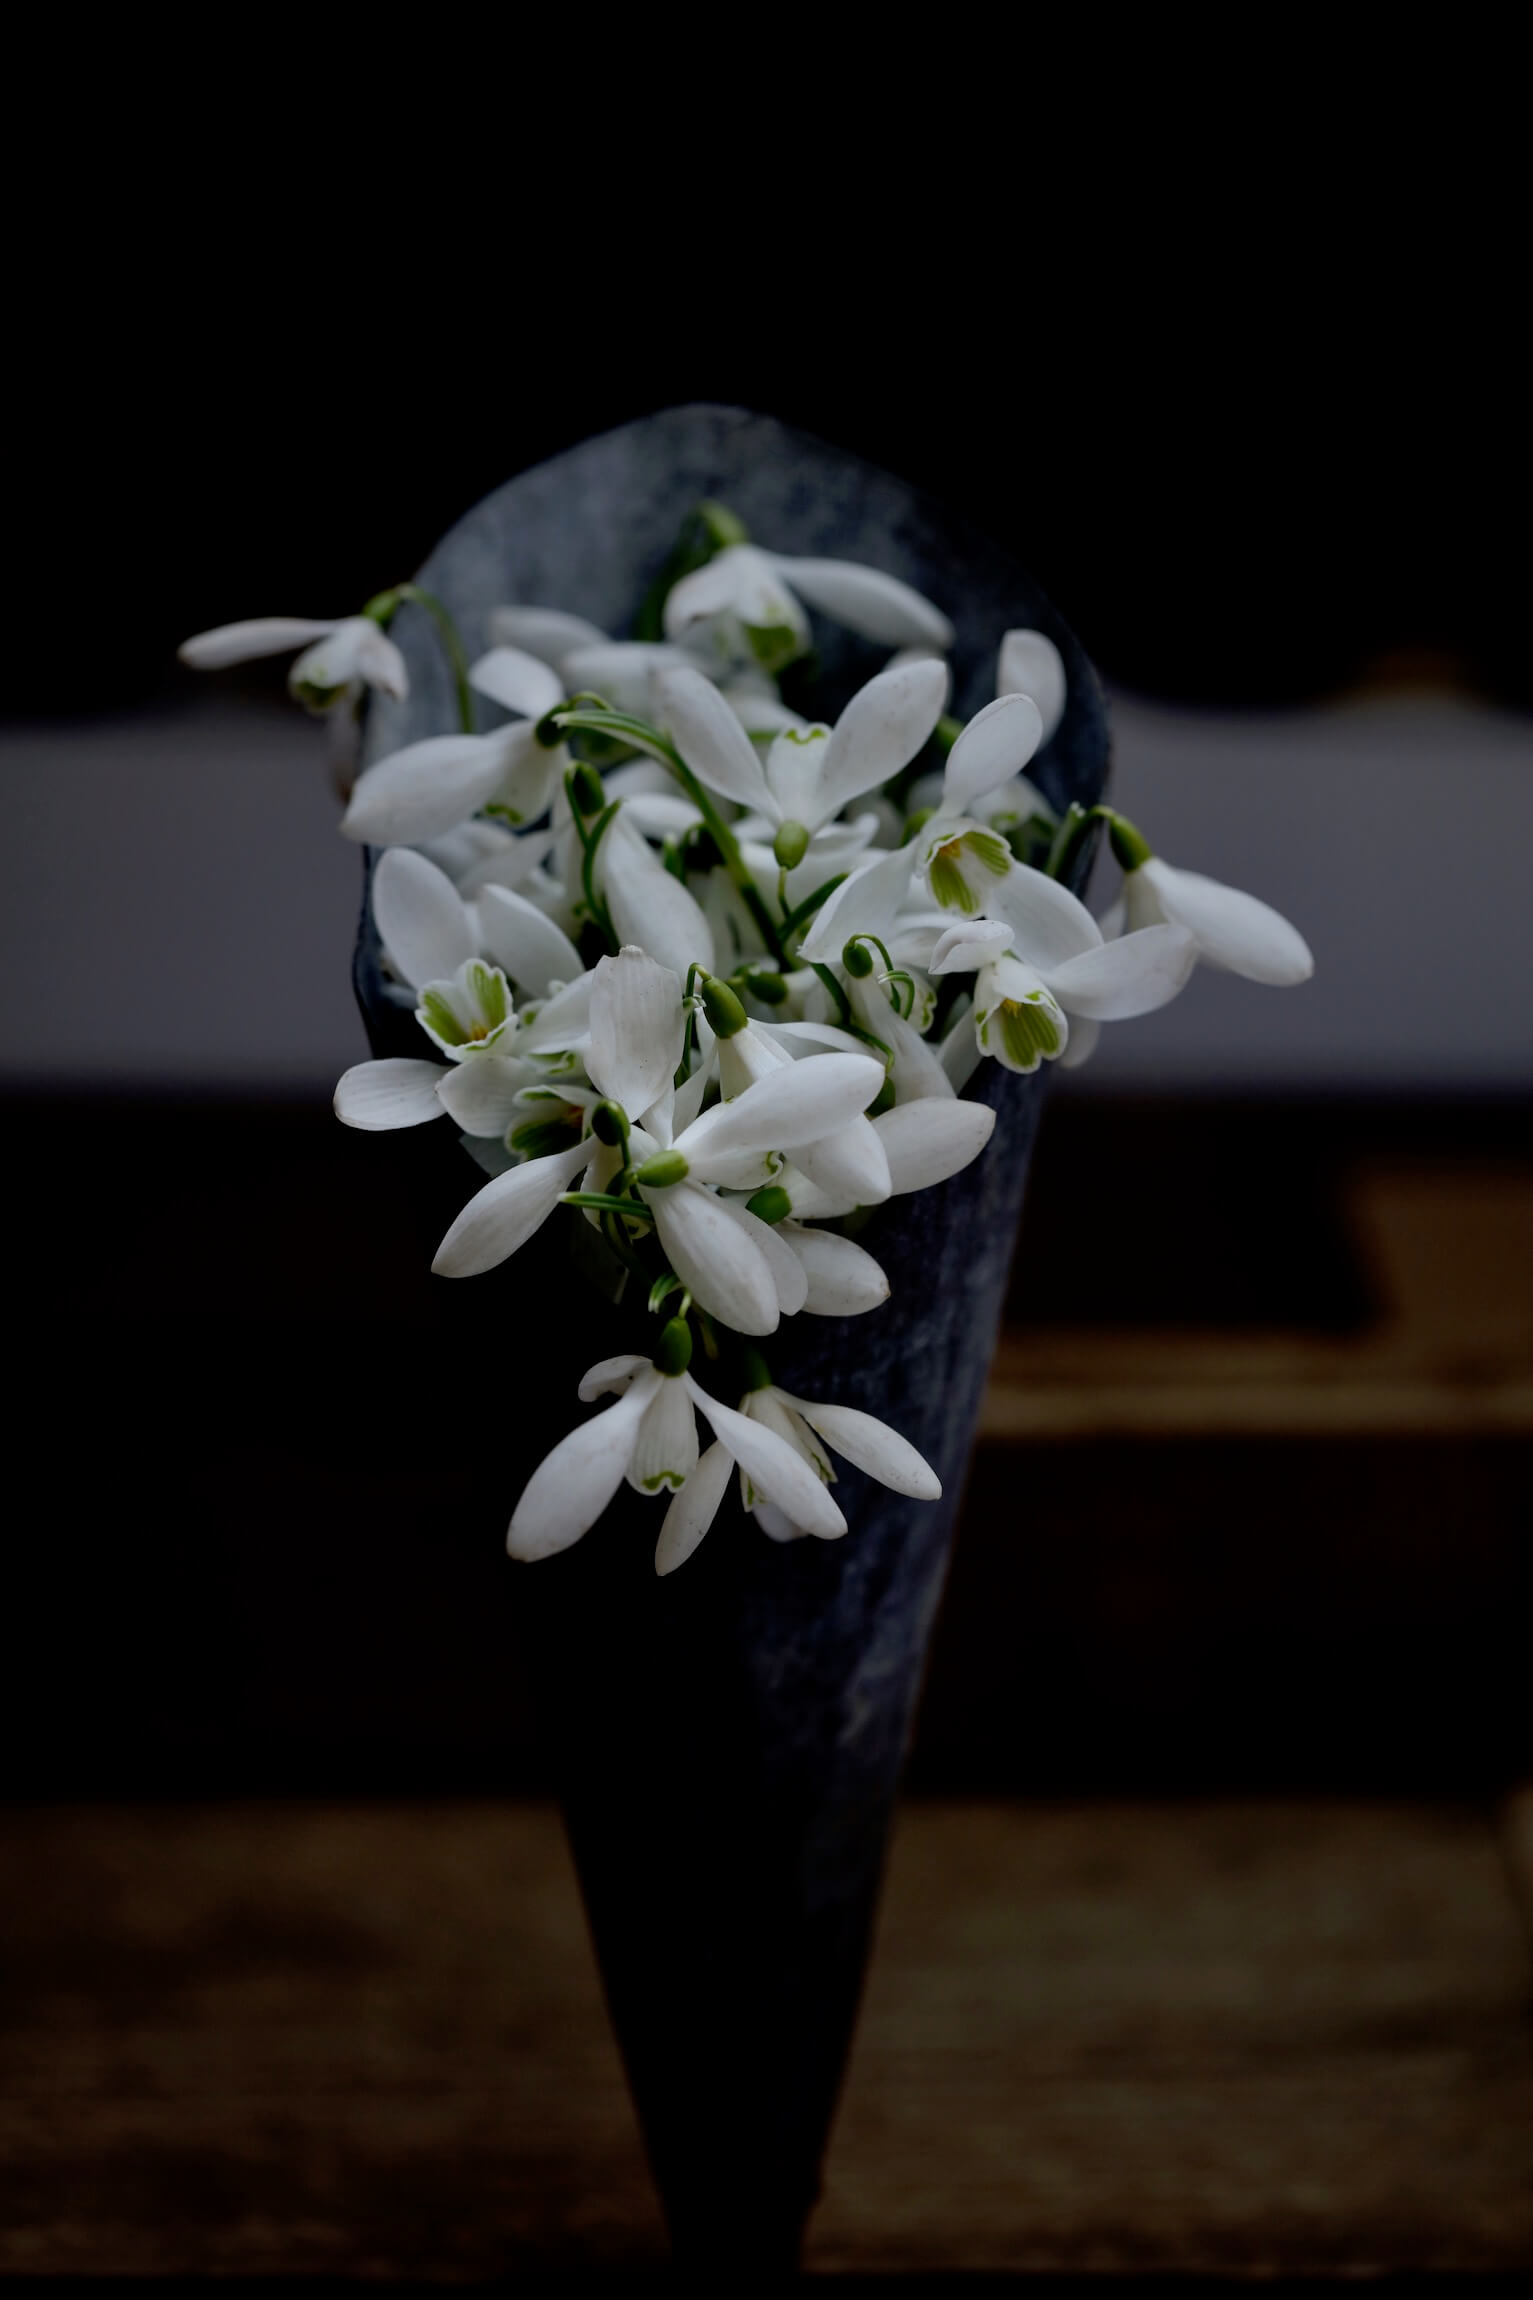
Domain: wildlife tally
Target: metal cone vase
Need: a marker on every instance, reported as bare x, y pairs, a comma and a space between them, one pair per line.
728, 1741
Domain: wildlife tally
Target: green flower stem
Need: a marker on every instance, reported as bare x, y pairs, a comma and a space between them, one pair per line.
452, 648
647, 738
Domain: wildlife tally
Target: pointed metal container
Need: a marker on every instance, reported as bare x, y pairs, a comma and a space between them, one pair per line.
728, 1742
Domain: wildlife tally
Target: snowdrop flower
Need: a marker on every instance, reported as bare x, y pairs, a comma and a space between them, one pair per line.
847, 1159
923, 1142
339, 657
430, 787
804, 1430
810, 774
1030, 664
433, 939
748, 605
1230, 930
649, 1437
1029, 979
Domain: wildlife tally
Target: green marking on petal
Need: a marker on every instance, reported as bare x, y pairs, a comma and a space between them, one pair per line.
439, 1017
674, 1478
1029, 1033
488, 985
992, 852
950, 889
774, 645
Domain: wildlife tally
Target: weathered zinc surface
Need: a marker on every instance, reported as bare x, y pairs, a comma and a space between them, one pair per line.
729, 1740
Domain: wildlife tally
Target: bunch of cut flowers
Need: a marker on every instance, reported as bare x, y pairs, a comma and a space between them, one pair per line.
703, 978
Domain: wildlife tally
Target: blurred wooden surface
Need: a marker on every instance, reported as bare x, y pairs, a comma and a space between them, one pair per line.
367, 2040
1448, 1249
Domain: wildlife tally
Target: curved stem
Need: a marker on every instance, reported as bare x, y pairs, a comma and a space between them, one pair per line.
647, 738
452, 648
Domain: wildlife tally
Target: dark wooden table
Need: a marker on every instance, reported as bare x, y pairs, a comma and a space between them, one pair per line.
367, 2040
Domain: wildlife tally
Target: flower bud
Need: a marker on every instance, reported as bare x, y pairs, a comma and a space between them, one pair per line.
674, 1354
722, 1008
662, 1171
857, 959
790, 845
586, 790
770, 1205
769, 988
609, 1123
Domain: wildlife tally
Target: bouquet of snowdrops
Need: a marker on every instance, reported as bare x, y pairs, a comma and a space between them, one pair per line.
702, 978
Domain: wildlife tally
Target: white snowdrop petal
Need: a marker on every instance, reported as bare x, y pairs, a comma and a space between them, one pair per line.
842, 1279
1030, 664
776, 1524
610, 1375
720, 1266
771, 1409
637, 1026
526, 942
694, 1509
665, 1446
710, 737
506, 1213
972, 943
1134, 975
848, 1166
480, 1095
776, 1471
649, 907
1084, 1034
865, 903
959, 1053
424, 790
518, 681
422, 920
880, 731
247, 642
378, 1096
865, 600
915, 1068
869, 1444
380, 663
546, 632
561, 1020
1049, 924
1234, 930
621, 671
792, 1106
662, 814
787, 1270
926, 1142
570, 1488
995, 745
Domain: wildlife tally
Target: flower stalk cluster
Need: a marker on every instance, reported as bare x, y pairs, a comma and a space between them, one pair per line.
703, 979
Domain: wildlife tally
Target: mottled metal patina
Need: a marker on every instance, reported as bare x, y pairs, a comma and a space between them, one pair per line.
729, 1740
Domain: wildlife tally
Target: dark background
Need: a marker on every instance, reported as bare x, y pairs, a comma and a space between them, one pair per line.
1251, 412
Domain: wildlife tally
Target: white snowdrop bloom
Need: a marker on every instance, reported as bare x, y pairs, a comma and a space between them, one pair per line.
914, 1069
775, 1471
718, 1257
1024, 990
339, 657
622, 671
810, 774
807, 1430
1230, 930
648, 1436
846, 1158
923, 1143
430, 787
868, 902
747, 605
